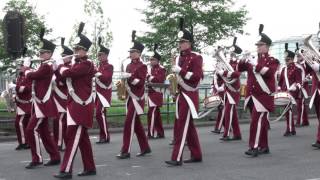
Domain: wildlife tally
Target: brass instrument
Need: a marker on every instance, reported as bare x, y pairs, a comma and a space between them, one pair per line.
121, 85
222, 63
172, 78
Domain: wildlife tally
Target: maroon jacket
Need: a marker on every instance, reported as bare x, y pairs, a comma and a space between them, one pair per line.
105, 78
219, 82
42, 78
191, 64
233, 89
23, 93
138, 71
81, 74
294, 76
268, 65
61, 85
158, 75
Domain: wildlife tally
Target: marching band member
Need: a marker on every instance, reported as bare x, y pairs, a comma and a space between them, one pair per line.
80, 107
43, 108
290, 80
103, 80
23, 105
218, 88
156, 74
135, 75
314, 71
302, 114
231, 97
60, 95
259, 99
189, 74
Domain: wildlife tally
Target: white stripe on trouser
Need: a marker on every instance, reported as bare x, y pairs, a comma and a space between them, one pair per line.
184, 135
36, 137
152, 122
74, 148
23, 139
231, 118
132, 130
60, 130
290, 119
256, 142
221, 118
302, 111
104, 122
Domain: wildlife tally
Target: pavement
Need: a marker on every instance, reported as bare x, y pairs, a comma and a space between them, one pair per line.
291, 158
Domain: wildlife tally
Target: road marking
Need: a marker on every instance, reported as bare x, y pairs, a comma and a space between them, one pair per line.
25, 161
101, 165
314, 179
135, 166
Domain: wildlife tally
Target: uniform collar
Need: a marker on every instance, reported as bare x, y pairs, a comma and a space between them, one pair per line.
134, 61
156, 66
103, 62
185, 52
291, 65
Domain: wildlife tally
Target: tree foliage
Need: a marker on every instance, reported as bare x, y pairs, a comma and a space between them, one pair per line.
33, 23
208, 20
98, 25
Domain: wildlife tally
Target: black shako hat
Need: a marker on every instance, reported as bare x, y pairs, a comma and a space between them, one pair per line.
264, 38
137, 46
66, 51
102, 48
84, 42
46, 45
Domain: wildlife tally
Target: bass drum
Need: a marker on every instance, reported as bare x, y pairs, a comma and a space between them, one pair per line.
212, 102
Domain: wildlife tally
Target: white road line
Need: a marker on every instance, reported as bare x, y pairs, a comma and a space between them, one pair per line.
314, 179
101, 165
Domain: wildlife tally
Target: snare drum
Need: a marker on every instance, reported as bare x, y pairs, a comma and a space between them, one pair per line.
212, 102
282, 98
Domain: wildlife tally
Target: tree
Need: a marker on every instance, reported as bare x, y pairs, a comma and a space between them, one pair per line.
98, 23
33, 23
208, 20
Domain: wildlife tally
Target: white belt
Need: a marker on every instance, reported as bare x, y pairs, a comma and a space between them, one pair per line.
59, 92
185, 86
46, 96
133, 95
102, 85
262, 84
75, 97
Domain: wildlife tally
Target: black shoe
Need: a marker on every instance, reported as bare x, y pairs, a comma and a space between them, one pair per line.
63, 175
172, 142
33, 165
148, 151
52, 163
298, 125
192, 160
151, 137
287, 134
252, 152
174, 163
26, 146
160, 136
123, 155
103, 141
293, 133
216, 131
305, 124
236, 138
316, 145
19, 147
264, 151
88, 173
226, 138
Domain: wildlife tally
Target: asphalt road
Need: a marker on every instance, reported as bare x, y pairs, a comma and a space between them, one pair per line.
291, 158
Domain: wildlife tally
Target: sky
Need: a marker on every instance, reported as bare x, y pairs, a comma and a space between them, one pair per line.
281, 18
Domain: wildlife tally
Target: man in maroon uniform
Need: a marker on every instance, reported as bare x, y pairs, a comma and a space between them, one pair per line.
261, 84
290, 81
189, 74
302, 114
60, 98
314, 71
43, 107
80, 107
23, 102
103, 82
218, 88
231, 97
135, 75
156, 74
